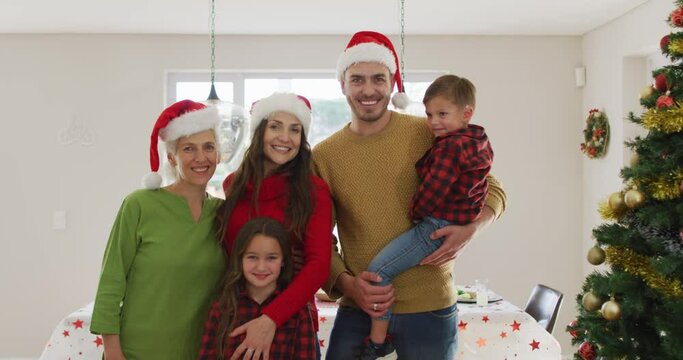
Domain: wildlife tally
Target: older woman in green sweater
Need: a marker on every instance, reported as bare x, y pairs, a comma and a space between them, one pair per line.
162, 261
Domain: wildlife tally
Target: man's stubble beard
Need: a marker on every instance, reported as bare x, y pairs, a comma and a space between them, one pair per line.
365, 117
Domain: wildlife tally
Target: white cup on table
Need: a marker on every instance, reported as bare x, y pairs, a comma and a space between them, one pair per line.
482, 289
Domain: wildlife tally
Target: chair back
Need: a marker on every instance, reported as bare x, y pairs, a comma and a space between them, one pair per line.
543, 305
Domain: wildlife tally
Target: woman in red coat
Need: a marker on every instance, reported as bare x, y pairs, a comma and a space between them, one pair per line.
274, 180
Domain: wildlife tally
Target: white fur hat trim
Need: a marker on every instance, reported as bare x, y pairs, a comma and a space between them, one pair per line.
191, 123
285, 102
365, 52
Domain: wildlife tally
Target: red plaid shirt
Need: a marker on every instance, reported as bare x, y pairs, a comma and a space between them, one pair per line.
294, 340
453, 173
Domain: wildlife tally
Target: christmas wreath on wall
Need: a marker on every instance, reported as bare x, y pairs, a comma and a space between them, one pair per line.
596, 134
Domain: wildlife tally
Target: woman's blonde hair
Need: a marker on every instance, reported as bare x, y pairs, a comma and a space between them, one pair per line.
172, 173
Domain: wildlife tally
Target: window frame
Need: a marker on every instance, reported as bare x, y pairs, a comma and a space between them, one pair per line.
238, 79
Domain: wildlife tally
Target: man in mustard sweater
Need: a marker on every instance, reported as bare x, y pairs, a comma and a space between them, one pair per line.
369, 166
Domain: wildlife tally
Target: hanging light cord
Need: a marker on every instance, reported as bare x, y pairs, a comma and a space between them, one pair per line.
403, 35
213, 40
212, 93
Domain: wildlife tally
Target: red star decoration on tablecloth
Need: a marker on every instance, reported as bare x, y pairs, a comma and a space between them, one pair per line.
503, 335
485, 319
462, 326
481, 342
323, 319
515, 326
322, 343
78, 324
65, 333
98, 341
534, 344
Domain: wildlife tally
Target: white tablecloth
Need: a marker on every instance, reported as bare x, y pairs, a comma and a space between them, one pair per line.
496, 331
72, 340
502, 331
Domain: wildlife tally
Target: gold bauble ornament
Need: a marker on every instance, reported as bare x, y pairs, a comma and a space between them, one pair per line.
596, 255
611, 310
634, 198
616, 201
647, 92
591, 302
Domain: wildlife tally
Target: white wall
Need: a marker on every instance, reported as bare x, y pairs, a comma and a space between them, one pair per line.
617, 57
115, 84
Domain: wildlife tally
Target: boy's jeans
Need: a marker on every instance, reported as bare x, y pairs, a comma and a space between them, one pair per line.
406, 251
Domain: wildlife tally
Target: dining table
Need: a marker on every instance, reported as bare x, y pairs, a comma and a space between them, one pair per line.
497, 330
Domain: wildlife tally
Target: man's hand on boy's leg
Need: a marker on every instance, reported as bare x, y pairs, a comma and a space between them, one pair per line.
374, 300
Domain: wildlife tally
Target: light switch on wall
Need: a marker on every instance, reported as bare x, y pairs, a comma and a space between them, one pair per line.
59, 220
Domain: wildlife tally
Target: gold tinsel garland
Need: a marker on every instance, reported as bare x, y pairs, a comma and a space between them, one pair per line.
667, 187
638, 265
664, 187
676, 46
667, 120
606, 212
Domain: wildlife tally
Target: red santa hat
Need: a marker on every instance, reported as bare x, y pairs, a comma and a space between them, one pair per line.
183, 118
291, 103
370, 46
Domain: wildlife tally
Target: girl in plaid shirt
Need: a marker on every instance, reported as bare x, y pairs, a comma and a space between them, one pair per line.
453, 188
260, 266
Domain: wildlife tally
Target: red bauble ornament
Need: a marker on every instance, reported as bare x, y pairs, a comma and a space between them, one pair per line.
571, 328
587, 351
664, 101
661, 83
664, 43
677, 17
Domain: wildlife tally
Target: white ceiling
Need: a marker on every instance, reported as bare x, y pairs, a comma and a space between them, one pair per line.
460, 17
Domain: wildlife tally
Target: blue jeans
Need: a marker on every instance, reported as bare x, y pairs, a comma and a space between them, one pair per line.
406, 251
428, 335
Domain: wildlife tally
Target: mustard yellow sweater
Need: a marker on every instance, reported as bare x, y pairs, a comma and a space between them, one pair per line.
372, 180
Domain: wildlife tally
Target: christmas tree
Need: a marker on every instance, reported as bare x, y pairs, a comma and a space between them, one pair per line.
634, 309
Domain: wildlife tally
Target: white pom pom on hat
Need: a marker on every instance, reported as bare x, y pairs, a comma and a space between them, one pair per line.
291, 103
152, 180
182, 118
371, 46
400, 100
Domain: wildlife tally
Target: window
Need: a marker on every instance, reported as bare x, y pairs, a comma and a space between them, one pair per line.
330, 110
